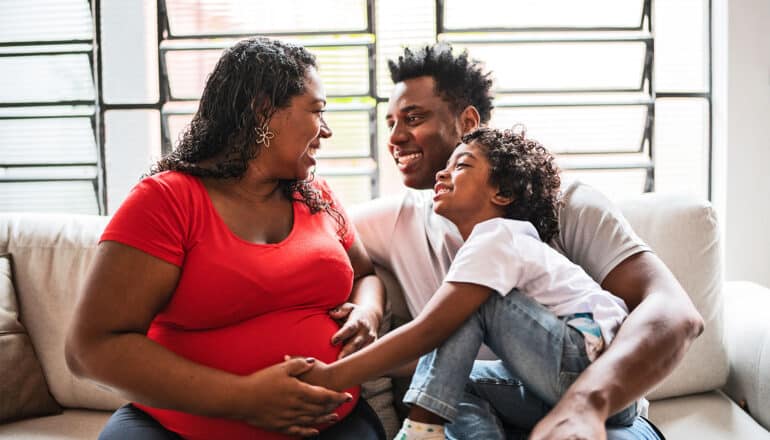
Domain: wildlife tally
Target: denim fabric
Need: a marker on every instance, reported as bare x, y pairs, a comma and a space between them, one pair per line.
496, 405
536, 348
129, 422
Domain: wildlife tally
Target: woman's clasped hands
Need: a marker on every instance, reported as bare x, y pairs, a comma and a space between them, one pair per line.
275, 399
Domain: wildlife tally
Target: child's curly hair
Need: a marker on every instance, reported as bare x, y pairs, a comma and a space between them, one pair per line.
525, 171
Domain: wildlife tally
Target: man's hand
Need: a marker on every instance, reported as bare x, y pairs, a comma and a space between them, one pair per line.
360, 327
570, 420
276, 400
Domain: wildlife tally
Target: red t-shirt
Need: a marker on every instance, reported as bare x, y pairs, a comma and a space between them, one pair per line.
238, 306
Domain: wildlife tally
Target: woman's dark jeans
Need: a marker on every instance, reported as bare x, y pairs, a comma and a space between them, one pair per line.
129, 423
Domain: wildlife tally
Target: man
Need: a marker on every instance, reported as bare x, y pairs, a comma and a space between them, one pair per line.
437, 98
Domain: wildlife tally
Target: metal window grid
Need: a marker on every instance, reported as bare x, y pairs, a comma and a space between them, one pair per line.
91, 48
93, 51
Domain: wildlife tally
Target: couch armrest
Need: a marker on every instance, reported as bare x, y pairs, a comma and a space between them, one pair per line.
747, 336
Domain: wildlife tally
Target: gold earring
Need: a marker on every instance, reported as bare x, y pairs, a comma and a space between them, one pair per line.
263, 135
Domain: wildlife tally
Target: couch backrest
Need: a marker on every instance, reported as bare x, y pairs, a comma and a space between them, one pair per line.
685, 235
51, 256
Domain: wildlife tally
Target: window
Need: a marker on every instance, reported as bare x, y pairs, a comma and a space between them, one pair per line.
611, 87
619, 90
197, 31
49, 159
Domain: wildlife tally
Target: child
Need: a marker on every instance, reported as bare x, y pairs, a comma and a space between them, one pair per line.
543, 316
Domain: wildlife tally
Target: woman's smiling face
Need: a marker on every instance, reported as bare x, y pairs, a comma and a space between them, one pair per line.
298, 131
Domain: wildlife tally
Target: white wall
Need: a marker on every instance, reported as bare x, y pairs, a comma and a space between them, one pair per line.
747, 191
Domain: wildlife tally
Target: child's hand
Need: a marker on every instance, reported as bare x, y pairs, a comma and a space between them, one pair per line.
319, 375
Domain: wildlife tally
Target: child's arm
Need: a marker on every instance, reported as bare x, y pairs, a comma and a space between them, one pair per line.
446, 311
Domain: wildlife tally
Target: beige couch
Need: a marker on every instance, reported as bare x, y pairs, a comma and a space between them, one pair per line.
51, 255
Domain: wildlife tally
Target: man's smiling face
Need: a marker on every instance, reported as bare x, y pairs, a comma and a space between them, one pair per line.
423, 131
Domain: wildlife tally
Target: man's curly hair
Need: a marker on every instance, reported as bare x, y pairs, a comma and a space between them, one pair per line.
525, 171
460, 81
250, 82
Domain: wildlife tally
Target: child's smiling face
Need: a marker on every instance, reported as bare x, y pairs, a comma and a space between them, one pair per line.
462, 189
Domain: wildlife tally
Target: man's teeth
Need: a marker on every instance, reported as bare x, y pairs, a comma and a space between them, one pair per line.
407, 159
442, 191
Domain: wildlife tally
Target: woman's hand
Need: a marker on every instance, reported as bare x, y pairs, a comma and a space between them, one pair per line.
276, 400
361, 324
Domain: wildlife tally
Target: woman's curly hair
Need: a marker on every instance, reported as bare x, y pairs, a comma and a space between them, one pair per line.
526, 172
250, 82
460, 81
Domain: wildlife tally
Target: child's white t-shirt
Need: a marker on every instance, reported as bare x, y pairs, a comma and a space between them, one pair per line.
504, 254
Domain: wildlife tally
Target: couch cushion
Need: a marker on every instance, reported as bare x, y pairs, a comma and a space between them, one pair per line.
23, 390
51, 254
707, 416
70, 425
747, 335
684, 234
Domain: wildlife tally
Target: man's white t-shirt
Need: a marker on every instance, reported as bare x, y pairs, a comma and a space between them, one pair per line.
504, 254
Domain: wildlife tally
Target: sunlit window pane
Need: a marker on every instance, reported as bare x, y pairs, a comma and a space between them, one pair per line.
615, 184
213, 17
131, 146
129, 40
681, 146
78, 172
351, 134
396, 30
348, 166
462, 14
45, 78
351, 179
351, 189
50, 141
681, 46
562, 66
45, 20
72, 197
579, 129
344, 70
176, 124
389, 176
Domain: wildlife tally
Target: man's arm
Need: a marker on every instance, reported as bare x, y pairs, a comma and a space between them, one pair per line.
650, 343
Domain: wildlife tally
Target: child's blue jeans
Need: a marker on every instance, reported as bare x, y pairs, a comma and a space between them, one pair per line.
541, 356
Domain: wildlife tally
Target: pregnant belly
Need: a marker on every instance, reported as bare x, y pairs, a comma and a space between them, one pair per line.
242, 349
